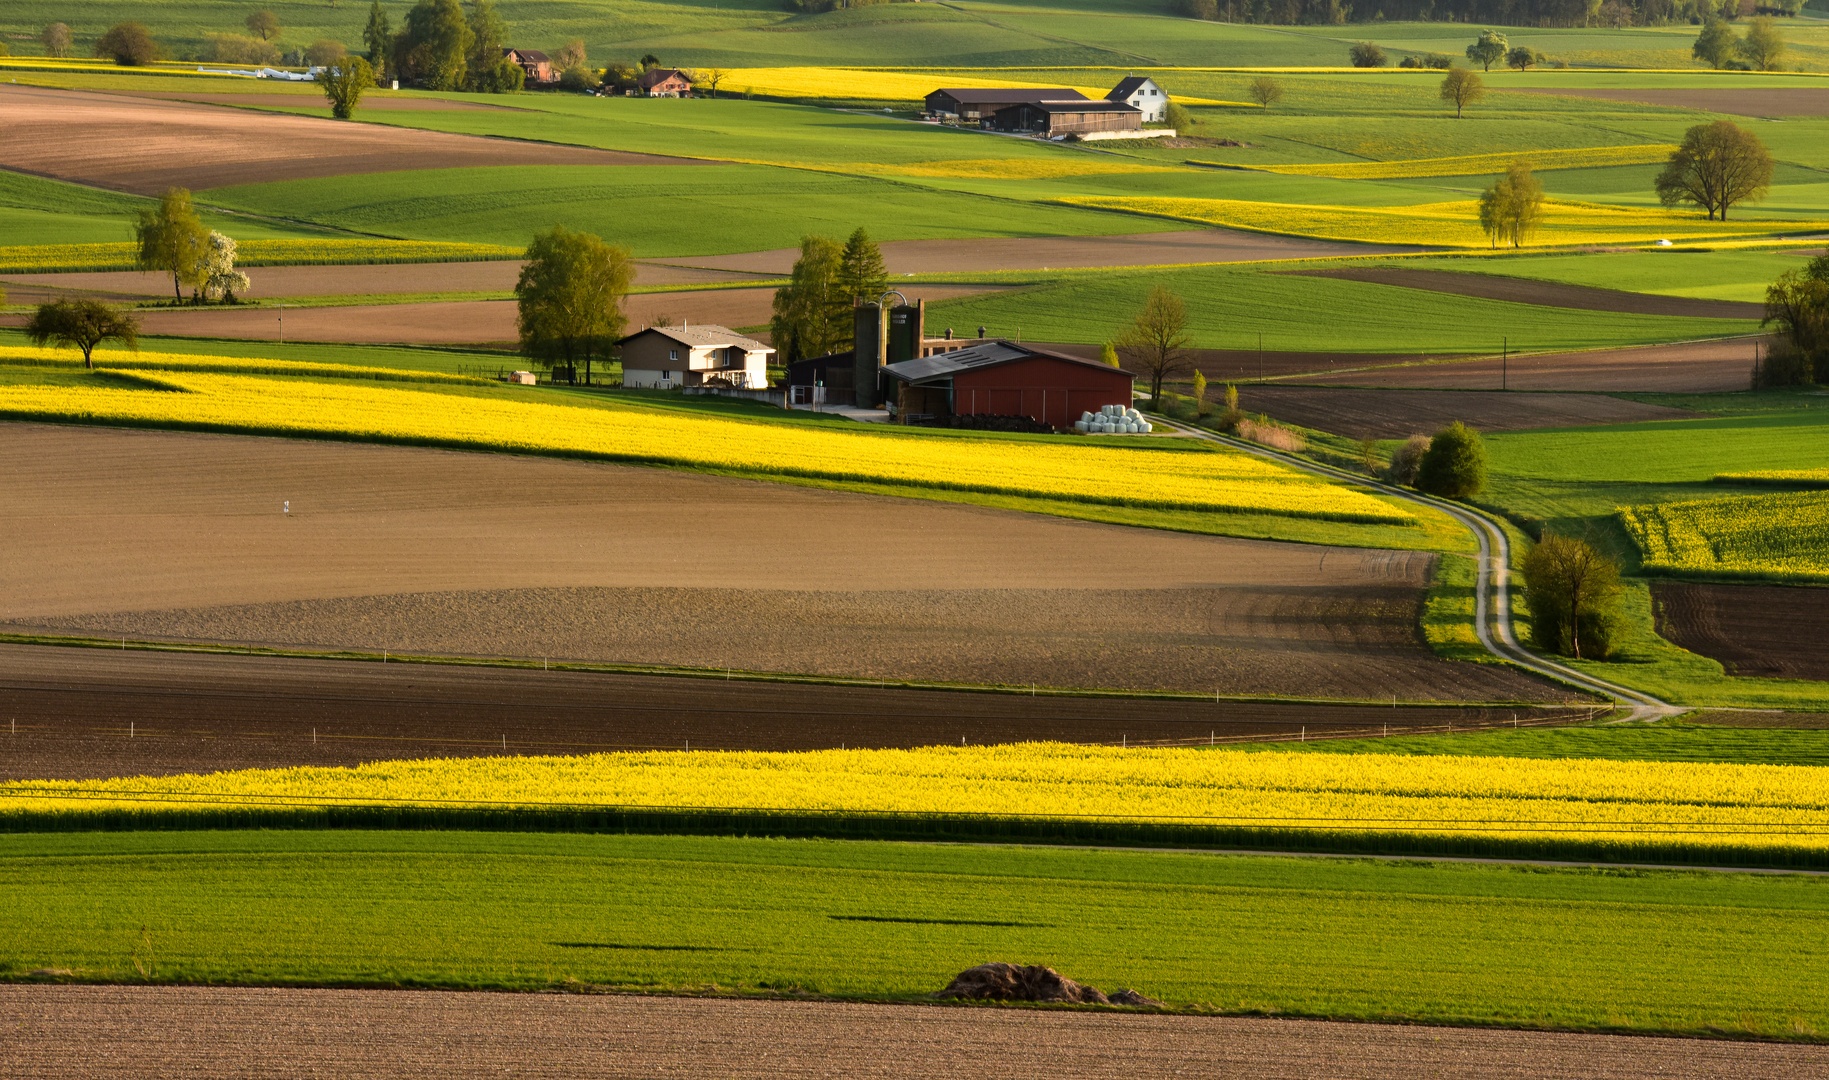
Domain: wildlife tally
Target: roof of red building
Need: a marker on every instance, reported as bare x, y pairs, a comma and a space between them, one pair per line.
978, 357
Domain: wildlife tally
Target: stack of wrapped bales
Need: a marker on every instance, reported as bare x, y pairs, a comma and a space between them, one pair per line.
1113, 420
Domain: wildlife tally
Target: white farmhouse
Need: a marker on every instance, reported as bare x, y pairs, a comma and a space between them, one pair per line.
665, 357
1142, 92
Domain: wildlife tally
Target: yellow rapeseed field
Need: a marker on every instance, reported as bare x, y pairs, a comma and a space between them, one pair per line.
1448, 224
1778, 536
877, 85
1623, 805
1805, 477
123, 360
1155, 475
56, 258
1479, 164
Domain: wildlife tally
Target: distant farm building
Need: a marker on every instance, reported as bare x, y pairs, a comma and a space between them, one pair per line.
535, 65
1052, 118
977, 104
1142, 93
664, 82
1004, 379
666, 357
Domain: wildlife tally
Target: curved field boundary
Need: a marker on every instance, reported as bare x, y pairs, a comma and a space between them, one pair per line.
1476, 164
1540, 293
1492, 593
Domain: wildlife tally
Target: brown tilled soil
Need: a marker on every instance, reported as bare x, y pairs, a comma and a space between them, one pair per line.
1063, 252
375, 101
68, 714
1771, 631
144, 146
379, 279
1689, 368
1542, 293
1244, 365
456, 322
181, 535
1752, 718
1397, 414
1778, 101
102, 1032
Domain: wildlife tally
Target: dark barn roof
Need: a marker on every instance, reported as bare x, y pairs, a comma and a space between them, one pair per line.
1127, 87
995, 96
1080, 106
977, 357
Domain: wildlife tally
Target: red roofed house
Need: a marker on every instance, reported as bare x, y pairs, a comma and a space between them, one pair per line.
536, 65
664, 82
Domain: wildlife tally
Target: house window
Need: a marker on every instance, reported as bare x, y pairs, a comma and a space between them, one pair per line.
667, 375
673, 354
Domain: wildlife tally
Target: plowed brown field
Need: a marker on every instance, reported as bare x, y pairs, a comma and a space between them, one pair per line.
1697, 367
182, 536
105, 1032
84, 713
1771, 631
146, 146
1397, 414
1542, 293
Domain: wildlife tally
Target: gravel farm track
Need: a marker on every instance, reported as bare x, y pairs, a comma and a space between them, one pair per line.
1765, 631
180, 536
110, 1032
145, 146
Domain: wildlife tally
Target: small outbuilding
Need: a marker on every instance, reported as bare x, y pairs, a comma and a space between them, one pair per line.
974, 103
1142, 93
1002, 378
664, 82
666, 357
1052, 118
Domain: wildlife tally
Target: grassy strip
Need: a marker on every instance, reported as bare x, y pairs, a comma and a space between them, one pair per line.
1569, 949
1448, 611
1665, 742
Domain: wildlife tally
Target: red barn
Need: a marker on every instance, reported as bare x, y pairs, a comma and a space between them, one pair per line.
1002, 378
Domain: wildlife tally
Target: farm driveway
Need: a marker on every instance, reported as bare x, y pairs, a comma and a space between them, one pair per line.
1542, 293
104, 1032
1397, 414
1065, 252
1778, 101
413, 550
1689, 367
145, 146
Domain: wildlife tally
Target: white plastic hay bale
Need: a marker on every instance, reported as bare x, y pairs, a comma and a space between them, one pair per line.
1085, 418
1147, 427
1080, 426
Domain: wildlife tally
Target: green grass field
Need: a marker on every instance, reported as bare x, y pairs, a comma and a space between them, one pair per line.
1665, 742
1623, 950
39, 211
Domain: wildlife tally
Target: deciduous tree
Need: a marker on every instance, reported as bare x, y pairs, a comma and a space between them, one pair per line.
570, 297
1366, 54
1716, 44
263, 25
1512, 206
1462, 88
433, 48
1572, 589
1108, 354
1488, 50
221, 281
173, 238
711, 78
1265, 90
1716, 166
56, 40
1455, 465
127, 44
1798, 303
1763, 47
82, 324
1157, 340
1522, 57
325, 52
345, 84
813, 311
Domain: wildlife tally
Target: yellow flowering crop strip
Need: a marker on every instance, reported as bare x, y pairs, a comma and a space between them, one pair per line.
1785, 477
1623, 807
1141, 475
1760, 536
871, 84
1447, 224
1478, 164
60, 258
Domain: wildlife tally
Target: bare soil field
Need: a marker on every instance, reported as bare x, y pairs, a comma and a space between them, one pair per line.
451, 322
146, 146
1780, 101
182, 536
1398, 414
377, 279
100, 1032
1772, 631
85, 713
1065, 252
1542, 293
374, 100
1752, 718
1690, 367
